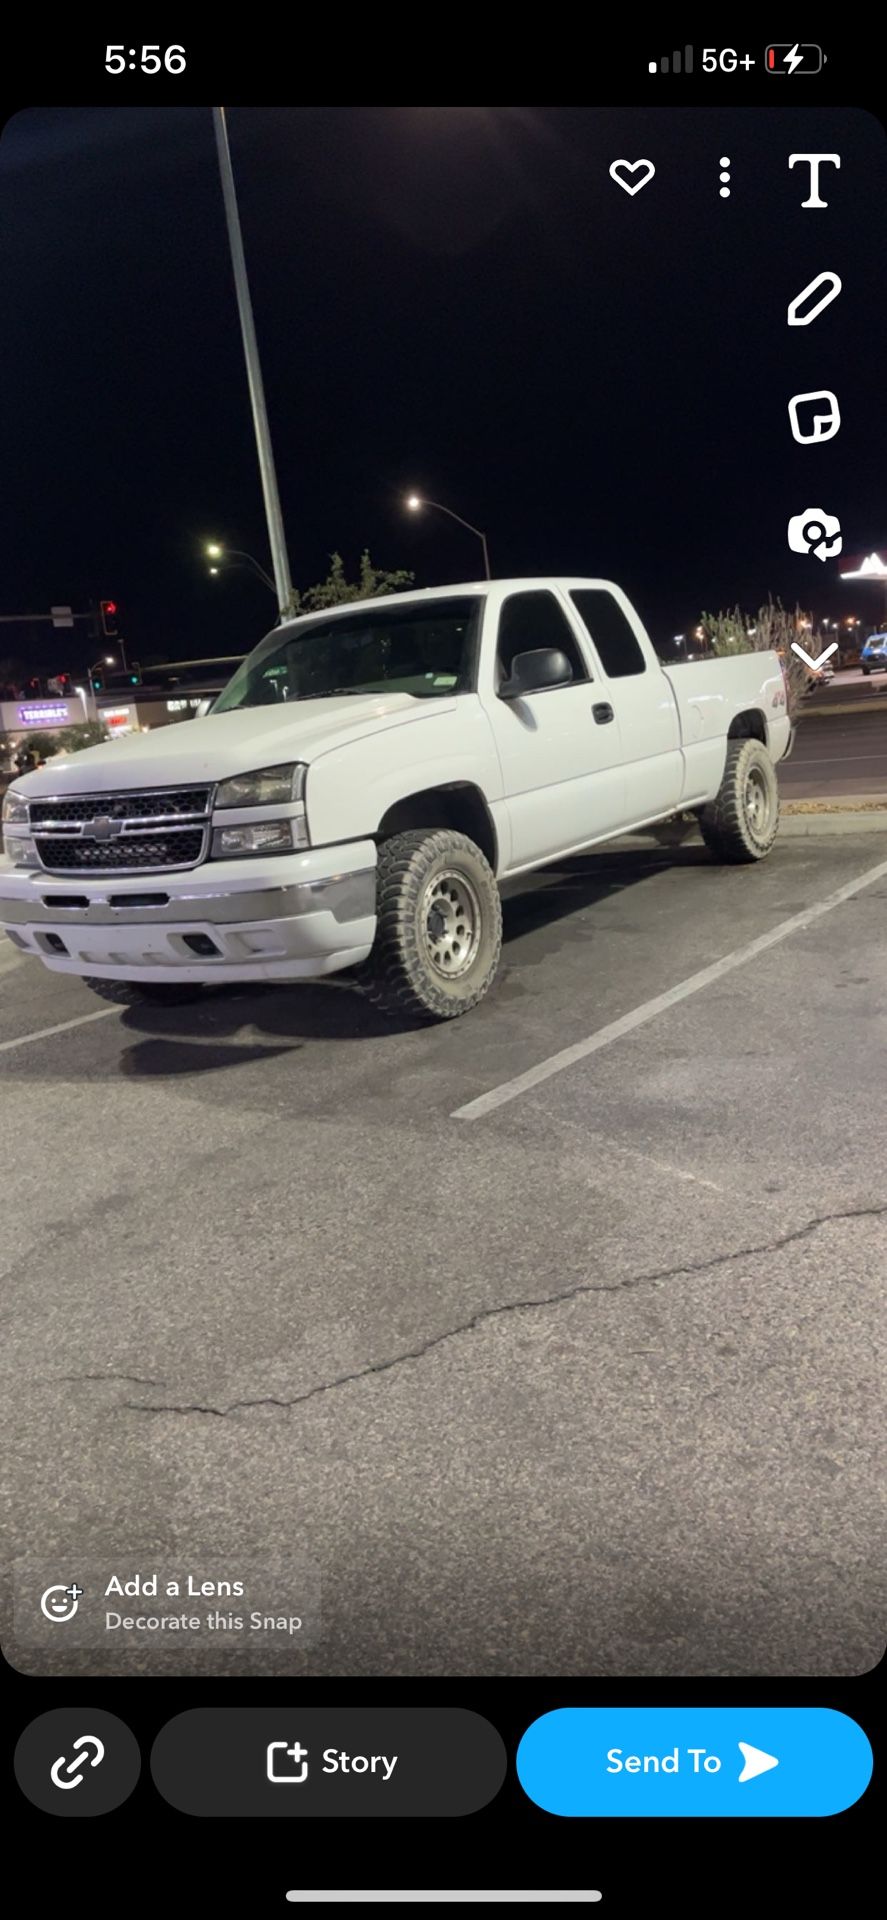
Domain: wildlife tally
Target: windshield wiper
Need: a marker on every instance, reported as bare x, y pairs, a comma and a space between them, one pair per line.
328, 693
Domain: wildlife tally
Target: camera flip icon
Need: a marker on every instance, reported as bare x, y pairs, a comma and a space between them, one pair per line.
815, 531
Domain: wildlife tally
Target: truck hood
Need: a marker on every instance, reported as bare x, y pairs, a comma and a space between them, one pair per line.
189, 751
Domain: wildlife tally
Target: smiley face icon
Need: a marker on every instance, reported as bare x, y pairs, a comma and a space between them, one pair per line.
60, 1603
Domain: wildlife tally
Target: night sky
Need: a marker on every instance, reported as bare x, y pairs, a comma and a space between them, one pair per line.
455, 300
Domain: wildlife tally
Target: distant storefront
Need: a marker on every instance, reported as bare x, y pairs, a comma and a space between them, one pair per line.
28, 719
172, 692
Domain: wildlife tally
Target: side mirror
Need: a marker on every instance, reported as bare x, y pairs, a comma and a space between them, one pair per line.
533, 672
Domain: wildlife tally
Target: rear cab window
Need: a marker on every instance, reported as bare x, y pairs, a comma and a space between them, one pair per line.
611, 632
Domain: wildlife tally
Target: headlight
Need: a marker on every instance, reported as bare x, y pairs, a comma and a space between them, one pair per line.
267, 836
22, 850
15, 809
269, 787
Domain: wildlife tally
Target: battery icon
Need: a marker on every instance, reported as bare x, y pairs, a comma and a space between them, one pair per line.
799, 58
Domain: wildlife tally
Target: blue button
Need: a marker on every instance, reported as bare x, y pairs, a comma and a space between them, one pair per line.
678, 1762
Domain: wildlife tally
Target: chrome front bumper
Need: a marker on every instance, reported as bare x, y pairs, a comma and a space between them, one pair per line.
288, 917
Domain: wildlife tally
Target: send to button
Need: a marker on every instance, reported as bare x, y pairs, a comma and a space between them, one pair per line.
675, 1762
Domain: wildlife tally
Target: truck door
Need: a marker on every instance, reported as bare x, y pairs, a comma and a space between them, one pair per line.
559, 748
642, 700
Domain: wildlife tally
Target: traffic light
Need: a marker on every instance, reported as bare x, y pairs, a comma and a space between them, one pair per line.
97, 680
108, 613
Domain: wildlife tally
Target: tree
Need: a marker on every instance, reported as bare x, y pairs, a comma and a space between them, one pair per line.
771, 627
88, 733
336, 589
41, 746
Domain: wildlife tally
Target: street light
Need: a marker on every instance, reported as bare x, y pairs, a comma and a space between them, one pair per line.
228, 554
415, 503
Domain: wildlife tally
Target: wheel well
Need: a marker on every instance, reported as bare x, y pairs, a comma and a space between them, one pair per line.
460, 807
749, 725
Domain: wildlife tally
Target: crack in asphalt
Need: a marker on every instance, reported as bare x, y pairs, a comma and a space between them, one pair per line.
514, 1306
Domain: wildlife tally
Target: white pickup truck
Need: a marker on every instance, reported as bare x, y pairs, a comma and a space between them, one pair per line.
368, 778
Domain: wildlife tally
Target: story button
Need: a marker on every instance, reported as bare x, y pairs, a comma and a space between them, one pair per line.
288, 1761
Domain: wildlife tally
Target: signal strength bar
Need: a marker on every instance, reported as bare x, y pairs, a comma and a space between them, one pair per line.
674, 63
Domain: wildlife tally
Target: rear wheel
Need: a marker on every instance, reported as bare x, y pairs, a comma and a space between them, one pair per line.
866, 671
438, 927
158, 993
741, 823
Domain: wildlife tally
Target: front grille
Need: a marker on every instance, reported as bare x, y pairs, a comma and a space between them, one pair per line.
134, 852
129, 832
120, 806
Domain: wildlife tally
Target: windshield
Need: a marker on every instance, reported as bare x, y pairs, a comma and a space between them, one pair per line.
427, 649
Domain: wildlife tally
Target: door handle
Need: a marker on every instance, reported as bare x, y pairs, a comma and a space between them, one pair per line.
603, 712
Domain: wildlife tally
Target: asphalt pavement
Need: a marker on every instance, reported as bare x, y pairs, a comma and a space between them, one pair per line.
837, 753
548, 1336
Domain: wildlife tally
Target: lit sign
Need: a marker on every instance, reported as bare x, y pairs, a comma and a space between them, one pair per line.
44, 713
180, 706
119, 717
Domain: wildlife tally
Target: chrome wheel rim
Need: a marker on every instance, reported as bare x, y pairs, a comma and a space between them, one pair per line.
450, 922
758, 807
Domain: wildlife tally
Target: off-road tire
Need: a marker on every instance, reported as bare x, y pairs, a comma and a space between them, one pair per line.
742, 821
435, 892
158, 993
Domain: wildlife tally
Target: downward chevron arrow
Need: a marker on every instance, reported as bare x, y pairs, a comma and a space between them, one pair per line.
808, 659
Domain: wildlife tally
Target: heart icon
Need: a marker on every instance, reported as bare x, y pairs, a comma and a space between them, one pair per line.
621, 168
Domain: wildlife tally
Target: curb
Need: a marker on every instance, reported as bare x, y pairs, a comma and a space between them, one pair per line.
837, 820
835, 709
798, 819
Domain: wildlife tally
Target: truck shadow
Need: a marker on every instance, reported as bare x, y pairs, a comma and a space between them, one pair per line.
201, 1037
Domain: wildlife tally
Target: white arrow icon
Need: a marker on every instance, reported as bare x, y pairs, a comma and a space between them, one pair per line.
755, 1761
810, 662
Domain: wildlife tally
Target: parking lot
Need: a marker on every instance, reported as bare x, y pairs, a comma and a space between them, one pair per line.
552, 1365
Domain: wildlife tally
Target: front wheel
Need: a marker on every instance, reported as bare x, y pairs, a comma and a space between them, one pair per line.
742, 821
157, 993
438, 926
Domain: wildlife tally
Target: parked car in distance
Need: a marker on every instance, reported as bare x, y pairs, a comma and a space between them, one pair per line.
873, 658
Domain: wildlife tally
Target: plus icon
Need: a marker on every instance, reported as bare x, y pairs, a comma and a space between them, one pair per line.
746, 61
74, 1592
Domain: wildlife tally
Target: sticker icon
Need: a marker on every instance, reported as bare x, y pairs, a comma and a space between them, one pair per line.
621, 170
831, 284
815, 531
823, 425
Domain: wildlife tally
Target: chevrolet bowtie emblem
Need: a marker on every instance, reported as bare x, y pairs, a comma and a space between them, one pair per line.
103, 828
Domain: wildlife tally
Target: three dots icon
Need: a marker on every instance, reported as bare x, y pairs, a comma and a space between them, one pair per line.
725, 177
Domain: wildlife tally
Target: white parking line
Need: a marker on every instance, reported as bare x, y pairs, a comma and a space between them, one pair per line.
64, 1026
568, 1057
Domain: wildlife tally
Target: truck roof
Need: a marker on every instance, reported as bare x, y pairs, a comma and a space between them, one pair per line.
524, 582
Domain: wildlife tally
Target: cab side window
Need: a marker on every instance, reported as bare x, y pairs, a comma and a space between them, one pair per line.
528, 621
613, 635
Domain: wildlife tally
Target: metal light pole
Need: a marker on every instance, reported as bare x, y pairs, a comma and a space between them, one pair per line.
417, 502
276, 536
